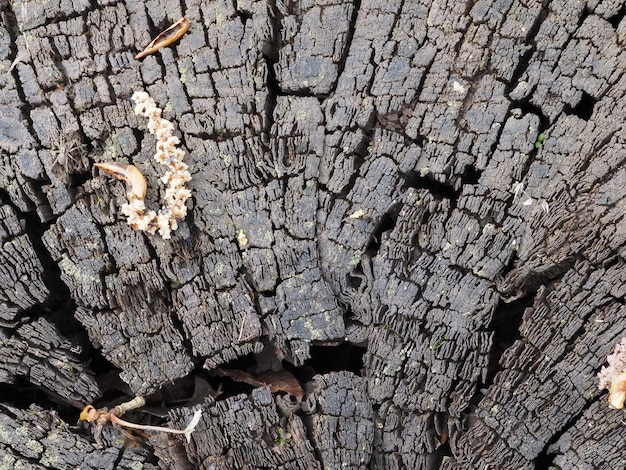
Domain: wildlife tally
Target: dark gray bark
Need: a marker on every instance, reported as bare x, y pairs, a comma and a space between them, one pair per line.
437, 185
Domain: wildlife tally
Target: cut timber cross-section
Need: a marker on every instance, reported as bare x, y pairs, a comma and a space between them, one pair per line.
402, 247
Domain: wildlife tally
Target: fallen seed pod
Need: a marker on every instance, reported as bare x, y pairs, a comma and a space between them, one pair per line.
128, 173
167, 37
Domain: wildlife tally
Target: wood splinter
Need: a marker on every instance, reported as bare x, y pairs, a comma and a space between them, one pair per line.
128, 173
167, 37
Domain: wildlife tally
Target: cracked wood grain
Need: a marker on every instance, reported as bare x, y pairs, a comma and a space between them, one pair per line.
372, 158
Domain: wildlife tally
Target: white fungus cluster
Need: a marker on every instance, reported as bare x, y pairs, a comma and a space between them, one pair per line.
168, 154
613, 376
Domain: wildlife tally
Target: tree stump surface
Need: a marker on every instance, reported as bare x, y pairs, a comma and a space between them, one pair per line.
404, 246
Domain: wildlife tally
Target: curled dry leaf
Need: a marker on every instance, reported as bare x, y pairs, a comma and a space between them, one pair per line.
167, 37
279, 381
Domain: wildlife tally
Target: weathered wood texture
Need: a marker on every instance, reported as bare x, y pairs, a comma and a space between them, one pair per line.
441, 183
34, 438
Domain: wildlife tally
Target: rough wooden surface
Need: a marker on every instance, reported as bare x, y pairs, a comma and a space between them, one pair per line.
38, 439
438, 185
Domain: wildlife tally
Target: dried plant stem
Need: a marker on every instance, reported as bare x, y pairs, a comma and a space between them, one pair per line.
133, 404
146, 427
102, 416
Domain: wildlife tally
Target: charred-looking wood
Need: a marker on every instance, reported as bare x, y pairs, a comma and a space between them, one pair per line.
403, 243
